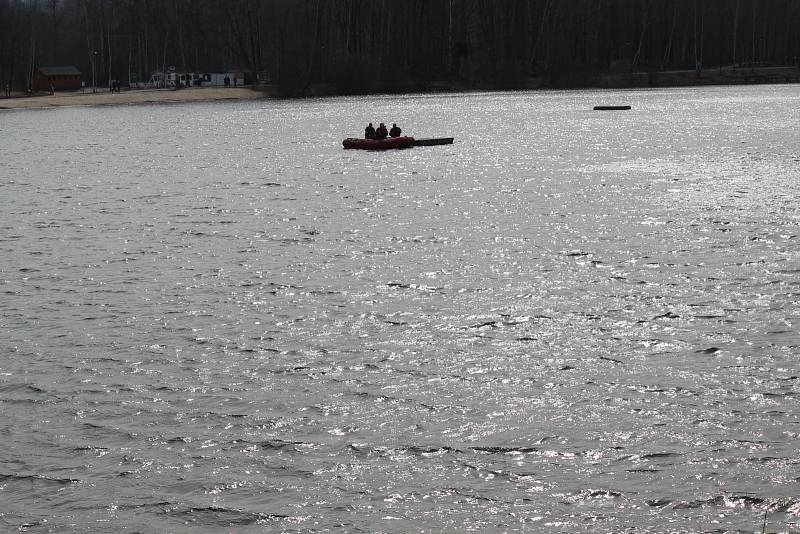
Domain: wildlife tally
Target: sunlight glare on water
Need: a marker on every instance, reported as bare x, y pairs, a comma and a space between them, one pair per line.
214, 318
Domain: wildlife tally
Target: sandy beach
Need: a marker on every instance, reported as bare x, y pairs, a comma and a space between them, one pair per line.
132, 96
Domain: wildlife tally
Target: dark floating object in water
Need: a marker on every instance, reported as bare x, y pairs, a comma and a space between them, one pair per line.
668, 315
611, 108
435, 141
378, 144
393, 142
712, 350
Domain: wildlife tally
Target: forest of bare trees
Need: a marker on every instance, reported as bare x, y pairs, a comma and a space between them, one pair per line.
366, 45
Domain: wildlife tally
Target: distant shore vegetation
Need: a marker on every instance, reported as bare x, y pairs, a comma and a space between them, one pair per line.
307, 47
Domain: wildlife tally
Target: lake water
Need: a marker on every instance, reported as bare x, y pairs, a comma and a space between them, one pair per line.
213, 318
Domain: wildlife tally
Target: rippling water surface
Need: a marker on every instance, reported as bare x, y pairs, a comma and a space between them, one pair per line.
213, 318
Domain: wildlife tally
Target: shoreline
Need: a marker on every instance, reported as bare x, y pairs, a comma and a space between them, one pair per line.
132, 97
637, 80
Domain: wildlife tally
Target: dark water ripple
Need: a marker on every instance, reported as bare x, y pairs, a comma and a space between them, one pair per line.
590, 327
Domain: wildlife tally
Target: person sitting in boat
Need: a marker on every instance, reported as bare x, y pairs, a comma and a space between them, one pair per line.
369, 132
395, 131
381, 132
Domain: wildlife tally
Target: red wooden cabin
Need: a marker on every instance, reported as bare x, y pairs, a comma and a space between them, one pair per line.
57, 78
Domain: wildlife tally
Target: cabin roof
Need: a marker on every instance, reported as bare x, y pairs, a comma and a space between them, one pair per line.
60, 71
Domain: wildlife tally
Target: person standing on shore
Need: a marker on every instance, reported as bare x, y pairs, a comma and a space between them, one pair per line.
8, 91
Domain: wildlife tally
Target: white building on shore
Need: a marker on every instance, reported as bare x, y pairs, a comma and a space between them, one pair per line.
174, 78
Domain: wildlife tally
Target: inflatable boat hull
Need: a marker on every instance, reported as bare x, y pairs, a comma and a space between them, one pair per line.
378, 144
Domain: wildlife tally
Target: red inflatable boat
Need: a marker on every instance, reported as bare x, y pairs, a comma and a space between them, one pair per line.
378, 144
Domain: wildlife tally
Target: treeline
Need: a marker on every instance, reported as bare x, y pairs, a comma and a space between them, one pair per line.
367, 45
